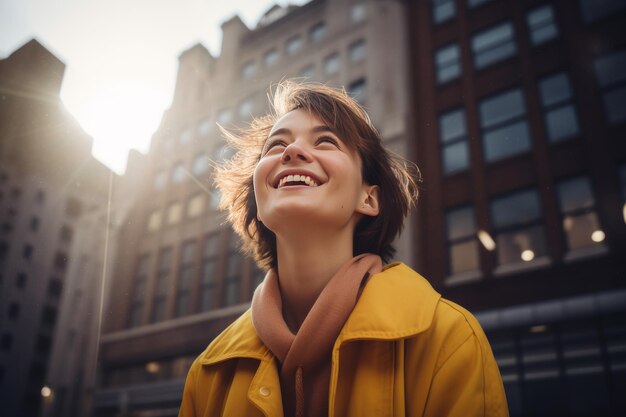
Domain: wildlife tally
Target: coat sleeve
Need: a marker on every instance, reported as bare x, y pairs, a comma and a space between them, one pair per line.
468, 383
187, 406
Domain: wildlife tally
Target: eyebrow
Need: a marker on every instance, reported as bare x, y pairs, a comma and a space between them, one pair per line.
316, 129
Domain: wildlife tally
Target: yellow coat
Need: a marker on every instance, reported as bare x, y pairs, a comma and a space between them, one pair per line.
404, 351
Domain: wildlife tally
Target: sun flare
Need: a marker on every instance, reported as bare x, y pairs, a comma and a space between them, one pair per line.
120, 117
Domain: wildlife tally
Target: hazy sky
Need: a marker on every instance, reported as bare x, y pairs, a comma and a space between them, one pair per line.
121, 56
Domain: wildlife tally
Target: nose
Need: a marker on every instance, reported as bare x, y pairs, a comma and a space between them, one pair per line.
294, 151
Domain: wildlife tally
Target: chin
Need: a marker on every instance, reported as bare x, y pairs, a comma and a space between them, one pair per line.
302, 216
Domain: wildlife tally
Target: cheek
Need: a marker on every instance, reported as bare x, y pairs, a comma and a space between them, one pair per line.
259, 180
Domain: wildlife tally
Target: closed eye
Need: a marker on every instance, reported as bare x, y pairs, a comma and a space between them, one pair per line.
327, 139
273, 144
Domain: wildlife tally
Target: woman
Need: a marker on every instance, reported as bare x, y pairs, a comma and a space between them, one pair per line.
331, 332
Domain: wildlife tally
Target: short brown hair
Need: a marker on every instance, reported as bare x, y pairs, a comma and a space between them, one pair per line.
397, 178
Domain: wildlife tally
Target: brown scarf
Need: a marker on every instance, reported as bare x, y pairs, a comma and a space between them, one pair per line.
306, 357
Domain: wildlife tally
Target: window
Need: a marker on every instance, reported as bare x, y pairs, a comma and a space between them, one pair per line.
139, 291
204, 127
174, 213
443, 10
200, 164
185, 278
7, 341
248, 70
20, 280
209, 272
448, 62
594, 10
162, 281
580, 222
60, 260
358, 90
462, 242
55, 287
541, 24
560, 116
475, 3
7, 227
27, 251
224, 116
214, 201
331, 63
504, 125
294, 44
186, 136
73, 207
245, 108
233, 274
179, 174
196, 205
155, 220
43, 344
271, 57
493, 45
34, 223
611, 76
518, 228
317, 32
160, 179
66, 233
453, 139
308, 71
358, 13
40, 197
4, 251
48, 316
13, 312
357, 51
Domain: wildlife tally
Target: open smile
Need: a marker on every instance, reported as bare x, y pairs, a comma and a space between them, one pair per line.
290, 179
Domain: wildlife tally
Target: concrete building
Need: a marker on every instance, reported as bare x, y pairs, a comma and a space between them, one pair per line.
180, 279
48, 180
520, 117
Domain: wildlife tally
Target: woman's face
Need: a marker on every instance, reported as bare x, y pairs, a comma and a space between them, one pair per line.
307, 176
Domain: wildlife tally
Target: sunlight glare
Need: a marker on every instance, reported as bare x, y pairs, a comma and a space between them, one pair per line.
121, 117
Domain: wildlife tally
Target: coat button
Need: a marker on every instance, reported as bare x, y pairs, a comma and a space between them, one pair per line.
264, 391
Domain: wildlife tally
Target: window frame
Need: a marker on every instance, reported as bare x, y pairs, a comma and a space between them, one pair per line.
453, 278
501, 124
492, 46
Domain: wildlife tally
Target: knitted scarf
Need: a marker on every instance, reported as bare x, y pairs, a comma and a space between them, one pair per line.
305, 357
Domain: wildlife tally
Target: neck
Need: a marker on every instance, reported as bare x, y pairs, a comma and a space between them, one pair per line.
304, 268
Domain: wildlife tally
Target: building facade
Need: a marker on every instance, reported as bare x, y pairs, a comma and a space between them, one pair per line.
520, 117
48, 180
180, 278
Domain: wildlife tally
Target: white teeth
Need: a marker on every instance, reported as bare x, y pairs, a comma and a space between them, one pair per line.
297, 178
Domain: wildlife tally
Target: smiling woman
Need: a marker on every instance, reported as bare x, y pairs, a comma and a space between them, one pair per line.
120, 117
318, 201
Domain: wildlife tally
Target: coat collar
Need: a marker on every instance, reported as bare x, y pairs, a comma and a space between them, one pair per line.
396, 303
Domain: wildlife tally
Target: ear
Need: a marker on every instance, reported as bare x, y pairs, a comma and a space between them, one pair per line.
369, 203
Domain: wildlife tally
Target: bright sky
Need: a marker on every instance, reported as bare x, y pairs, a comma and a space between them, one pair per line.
121, 57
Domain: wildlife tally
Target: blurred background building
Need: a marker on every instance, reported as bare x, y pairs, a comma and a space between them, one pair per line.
48, 180
515, 111
520, 118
